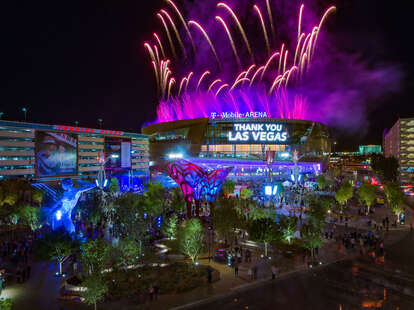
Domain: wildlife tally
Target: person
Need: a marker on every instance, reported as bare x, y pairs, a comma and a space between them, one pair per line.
250, 273
209, 274
156, 289
236, 268
381, 248
18, 274
151, 293
273, 272
28, 270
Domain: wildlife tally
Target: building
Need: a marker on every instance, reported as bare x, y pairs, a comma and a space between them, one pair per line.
54, 152
249, 145
399, 143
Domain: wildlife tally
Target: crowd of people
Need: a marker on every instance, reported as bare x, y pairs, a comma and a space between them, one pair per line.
14, 261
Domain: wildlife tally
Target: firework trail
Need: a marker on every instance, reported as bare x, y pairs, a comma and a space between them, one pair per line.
263, 86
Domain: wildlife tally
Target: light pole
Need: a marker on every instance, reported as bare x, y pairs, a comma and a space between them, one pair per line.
25, 113
100, 121
1, 114
76, 123
334, 147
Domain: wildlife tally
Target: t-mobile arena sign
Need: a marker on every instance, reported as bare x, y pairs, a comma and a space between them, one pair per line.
258, 133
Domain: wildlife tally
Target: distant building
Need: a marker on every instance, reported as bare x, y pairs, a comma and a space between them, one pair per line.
54, 152
399, 142
369, 149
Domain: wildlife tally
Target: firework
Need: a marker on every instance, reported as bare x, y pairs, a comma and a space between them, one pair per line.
261, 86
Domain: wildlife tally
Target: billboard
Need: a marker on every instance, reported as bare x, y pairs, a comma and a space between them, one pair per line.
56, 154
118, 153
259, 133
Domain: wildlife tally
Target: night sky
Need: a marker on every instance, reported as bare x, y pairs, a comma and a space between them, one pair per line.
83, 60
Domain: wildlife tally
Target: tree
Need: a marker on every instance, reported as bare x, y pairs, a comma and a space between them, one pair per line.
246, 193
226, 219
130, 214
228, 187
318, 210
30, 216
263, 230
57, 246
114, 186
190, 238
344, 193
288, 226
95, 256
155, 197
177, 200
385, 167
6, 304
95, 289
367, 194
322, 182
130, 252
169, 228
395, 198
311, 239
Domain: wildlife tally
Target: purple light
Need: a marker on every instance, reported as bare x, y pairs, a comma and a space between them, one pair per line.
202, 105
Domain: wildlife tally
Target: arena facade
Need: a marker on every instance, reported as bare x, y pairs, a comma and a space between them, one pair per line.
250, 144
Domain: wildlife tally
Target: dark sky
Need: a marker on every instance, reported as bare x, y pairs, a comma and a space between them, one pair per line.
70, 61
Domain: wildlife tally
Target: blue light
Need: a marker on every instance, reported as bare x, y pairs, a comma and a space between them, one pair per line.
96, 182
58, 215
292, 177
105, 182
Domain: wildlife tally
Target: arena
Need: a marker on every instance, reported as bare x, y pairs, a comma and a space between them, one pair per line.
253, 147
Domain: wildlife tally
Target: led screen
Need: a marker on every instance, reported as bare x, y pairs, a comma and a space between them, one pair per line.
56, 154
260, 133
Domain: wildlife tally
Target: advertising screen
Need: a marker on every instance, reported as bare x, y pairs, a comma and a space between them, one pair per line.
260, 133
118, 153
56, 154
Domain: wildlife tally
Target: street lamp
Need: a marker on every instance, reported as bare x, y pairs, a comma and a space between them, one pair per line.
1, 114
76, 123
25, 113
100, 120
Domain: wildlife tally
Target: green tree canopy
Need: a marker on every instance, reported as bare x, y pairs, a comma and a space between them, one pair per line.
55, 246
311, 239
385, 167
95, 289
367, 194
114, 185
228, 187
263, 230
95, 256
155, 198
169, 227
395, 197
226, 219
288, 227
30, 216
344, 193
318, 211
177, 200
322, 182
191, 238
246, 193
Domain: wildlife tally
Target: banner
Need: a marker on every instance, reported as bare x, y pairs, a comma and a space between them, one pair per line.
56, 154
